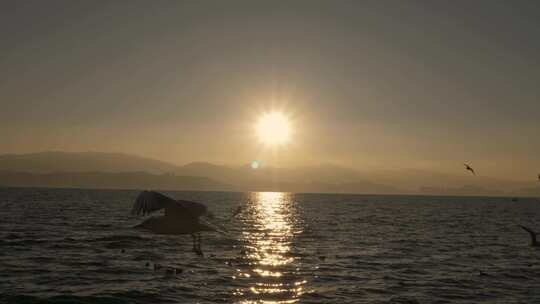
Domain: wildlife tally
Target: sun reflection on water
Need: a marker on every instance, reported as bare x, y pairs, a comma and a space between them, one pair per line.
271, 270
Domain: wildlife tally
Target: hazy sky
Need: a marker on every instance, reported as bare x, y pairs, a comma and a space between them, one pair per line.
367, 84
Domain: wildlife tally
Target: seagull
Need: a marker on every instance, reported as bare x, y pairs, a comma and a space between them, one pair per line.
533, 236
181, 217
467, 167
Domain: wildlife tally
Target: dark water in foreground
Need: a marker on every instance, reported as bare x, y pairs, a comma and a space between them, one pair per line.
77, 246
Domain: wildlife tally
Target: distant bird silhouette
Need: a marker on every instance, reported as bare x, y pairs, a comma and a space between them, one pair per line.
533, 236
181, 217
467, 167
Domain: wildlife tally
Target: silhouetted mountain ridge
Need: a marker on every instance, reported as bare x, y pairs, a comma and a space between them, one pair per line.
55, 161
56, 169
104, 180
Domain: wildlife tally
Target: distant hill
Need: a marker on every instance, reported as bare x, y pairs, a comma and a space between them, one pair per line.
534, 191
466, 190
116, 170
330, 179
47, 162
460, 183
227, 174
102, 180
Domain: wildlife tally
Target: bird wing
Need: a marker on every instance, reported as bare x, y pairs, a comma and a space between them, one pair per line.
467, 167
150, 201
532, 233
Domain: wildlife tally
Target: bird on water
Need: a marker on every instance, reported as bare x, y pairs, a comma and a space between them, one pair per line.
467, 167
181, 216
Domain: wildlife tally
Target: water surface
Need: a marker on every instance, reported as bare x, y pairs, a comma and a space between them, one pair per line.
66, 245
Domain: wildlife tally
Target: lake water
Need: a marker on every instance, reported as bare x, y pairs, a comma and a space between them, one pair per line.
78, 246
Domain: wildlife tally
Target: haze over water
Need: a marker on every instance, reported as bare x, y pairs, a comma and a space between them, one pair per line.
79, 246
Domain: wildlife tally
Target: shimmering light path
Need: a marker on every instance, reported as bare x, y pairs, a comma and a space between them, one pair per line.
268, 250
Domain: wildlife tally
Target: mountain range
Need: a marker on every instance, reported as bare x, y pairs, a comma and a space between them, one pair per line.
125, 171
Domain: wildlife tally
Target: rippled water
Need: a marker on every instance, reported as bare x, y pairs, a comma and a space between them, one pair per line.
70, 246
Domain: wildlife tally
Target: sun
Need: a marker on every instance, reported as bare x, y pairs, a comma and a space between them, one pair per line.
273, 129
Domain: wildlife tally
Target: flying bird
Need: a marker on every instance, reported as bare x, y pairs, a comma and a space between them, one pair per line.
181, 217
467, 167
533, 236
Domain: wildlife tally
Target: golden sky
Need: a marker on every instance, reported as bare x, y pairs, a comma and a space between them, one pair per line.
378, 84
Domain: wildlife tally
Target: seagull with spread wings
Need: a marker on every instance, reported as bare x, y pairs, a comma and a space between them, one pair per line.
467, 167
181, 217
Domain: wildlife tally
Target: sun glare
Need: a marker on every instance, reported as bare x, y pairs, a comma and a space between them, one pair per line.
273, 129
